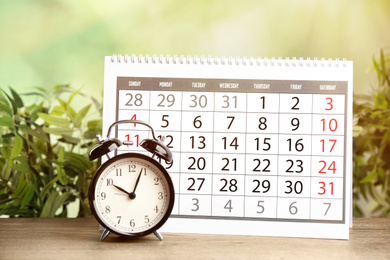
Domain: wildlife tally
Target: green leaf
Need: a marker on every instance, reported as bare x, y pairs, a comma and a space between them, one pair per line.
90, 134
97, 104
94, 124
69, 139
34, 94
80, 115
357, 129
4, 106
55, 121
58, 131
383, 127
370, 177
58, 111
26, 129
22, 187
17, 99
18, 145
74, 94
59, 89
13, 103
48, 209
7, 122
28, 197
40, 131
63, 199
20, 163
383, 67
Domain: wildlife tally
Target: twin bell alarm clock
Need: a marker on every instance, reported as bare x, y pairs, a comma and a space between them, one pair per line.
131, 194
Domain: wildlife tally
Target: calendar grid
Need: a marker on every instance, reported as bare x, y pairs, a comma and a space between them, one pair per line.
274, 180
311, 151
277, 165
212, 161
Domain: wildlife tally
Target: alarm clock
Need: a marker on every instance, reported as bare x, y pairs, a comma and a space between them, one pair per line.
131, 194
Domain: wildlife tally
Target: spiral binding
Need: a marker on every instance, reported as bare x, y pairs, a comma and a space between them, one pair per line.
238, 61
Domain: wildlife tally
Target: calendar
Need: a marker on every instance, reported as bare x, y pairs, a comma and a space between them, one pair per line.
260, 146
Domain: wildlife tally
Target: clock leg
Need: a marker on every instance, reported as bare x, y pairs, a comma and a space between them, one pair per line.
158, 235
105, 234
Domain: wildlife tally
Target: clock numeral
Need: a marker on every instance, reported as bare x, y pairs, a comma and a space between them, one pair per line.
147, 220
156, 180
110, 182
119, 219
108, 210
103, 196
156, 209
132, 167
118, 172
160, 195
132, 223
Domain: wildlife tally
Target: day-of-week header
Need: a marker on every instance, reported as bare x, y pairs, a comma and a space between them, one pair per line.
327, 87
165, 84
198, 84
228, 85
261, 86
296, 86
134, 83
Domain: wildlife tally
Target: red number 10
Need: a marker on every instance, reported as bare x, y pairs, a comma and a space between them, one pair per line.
332, 124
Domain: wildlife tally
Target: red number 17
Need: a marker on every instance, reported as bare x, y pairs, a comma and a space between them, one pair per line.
323, 144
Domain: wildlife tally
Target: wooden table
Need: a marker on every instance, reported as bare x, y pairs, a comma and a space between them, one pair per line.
67, 239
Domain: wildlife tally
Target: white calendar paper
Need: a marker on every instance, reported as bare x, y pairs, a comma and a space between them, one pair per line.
260, 146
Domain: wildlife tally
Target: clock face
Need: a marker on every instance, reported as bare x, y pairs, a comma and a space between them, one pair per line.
132, 194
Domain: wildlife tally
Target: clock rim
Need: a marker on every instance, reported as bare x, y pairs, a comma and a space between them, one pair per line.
92, 188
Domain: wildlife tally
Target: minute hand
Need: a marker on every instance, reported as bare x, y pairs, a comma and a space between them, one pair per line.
137, 181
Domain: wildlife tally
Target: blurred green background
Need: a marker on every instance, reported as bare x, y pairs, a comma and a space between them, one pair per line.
48, 42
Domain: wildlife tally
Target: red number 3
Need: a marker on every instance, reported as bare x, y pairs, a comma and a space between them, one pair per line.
329, 103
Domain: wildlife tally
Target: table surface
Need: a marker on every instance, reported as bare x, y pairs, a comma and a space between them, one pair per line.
78, 238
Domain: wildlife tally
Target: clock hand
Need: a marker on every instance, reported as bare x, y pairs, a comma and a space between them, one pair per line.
131, 194
137, 181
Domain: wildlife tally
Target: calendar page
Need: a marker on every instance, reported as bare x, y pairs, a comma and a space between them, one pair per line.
260, 146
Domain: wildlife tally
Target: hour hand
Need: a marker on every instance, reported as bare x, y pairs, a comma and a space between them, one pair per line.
131, 194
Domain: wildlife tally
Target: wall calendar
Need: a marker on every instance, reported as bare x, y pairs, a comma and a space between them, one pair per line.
260, 146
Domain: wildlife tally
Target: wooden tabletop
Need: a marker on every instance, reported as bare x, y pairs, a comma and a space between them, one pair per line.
60, 238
